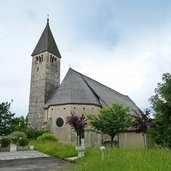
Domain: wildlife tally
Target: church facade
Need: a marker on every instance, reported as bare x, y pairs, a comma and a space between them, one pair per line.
51, 102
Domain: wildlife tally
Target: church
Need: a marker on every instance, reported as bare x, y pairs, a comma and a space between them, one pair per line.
51, 101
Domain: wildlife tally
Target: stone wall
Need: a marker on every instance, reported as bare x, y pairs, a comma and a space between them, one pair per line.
45, 76
64, 133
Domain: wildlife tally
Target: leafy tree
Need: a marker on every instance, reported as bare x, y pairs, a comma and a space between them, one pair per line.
7, 119
111, 120
141, 120
78, 123
161, 101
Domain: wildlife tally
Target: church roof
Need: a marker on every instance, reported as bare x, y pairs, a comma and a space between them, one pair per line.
77, 88
46, 43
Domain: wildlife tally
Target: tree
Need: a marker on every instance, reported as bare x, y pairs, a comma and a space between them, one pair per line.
111, 120
78, 123
141, 120
161, 126
7, 119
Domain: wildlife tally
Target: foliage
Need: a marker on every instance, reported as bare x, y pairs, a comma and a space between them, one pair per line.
118, 159
33, 133
16, 136
142, 120
22, 141
5, 141
47, 137
55, 149
161, 101
111, 120
78, 123
20, 124
7, 119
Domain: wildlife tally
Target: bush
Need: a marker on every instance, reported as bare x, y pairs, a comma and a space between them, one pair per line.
47, 137
22, 141
16, 136
5, 141
33, 133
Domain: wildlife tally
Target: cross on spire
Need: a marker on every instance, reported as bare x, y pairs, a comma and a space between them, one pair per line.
47, 17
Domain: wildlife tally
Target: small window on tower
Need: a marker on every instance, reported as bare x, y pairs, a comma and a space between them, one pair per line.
50, 58
37, 69
37, 59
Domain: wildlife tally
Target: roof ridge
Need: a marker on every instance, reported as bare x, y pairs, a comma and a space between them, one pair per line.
99, 83
93, 91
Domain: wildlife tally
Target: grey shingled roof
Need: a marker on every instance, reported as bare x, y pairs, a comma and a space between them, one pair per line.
46, 43
77, 88
73, 90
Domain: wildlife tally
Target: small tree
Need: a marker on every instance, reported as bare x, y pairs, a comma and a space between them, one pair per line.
7, 119
78, 123
111, 120
141, 120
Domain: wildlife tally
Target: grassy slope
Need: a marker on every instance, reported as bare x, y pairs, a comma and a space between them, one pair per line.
126, 160
55, 149
114, 160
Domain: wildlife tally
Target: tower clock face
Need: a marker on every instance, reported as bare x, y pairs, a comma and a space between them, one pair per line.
59, 122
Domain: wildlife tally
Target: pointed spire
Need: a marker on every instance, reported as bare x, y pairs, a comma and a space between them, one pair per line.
46, 42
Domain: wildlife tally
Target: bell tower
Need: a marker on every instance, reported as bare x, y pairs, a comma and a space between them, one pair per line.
45, 76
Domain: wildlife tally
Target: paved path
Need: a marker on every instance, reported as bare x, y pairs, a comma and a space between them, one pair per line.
21, 155
31, 161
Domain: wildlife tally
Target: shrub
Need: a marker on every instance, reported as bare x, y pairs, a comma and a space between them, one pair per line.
16, 136
22, 141
33, 133
47, 137
5, 141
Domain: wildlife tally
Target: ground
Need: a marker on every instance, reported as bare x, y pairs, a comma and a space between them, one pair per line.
31, 161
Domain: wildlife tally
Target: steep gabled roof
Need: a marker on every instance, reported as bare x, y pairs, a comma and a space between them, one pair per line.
73, 90
77, 88
46, 43
107, 96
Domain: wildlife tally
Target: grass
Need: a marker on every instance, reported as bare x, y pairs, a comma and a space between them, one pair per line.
115, 159
55, 149
126, 160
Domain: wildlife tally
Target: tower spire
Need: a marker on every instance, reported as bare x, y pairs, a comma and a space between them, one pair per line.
46, 42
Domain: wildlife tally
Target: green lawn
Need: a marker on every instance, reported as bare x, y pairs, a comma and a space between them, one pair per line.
55, 149
126, 160
114, 159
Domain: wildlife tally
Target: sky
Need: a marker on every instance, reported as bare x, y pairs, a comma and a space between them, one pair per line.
123, 44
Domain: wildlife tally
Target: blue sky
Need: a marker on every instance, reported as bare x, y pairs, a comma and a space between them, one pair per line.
124, 44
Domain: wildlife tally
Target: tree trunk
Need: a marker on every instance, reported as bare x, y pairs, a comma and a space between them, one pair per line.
145, 140
112, 137
102, 141
78, 139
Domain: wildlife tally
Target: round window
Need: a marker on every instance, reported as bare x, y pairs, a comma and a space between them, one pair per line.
59, 122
